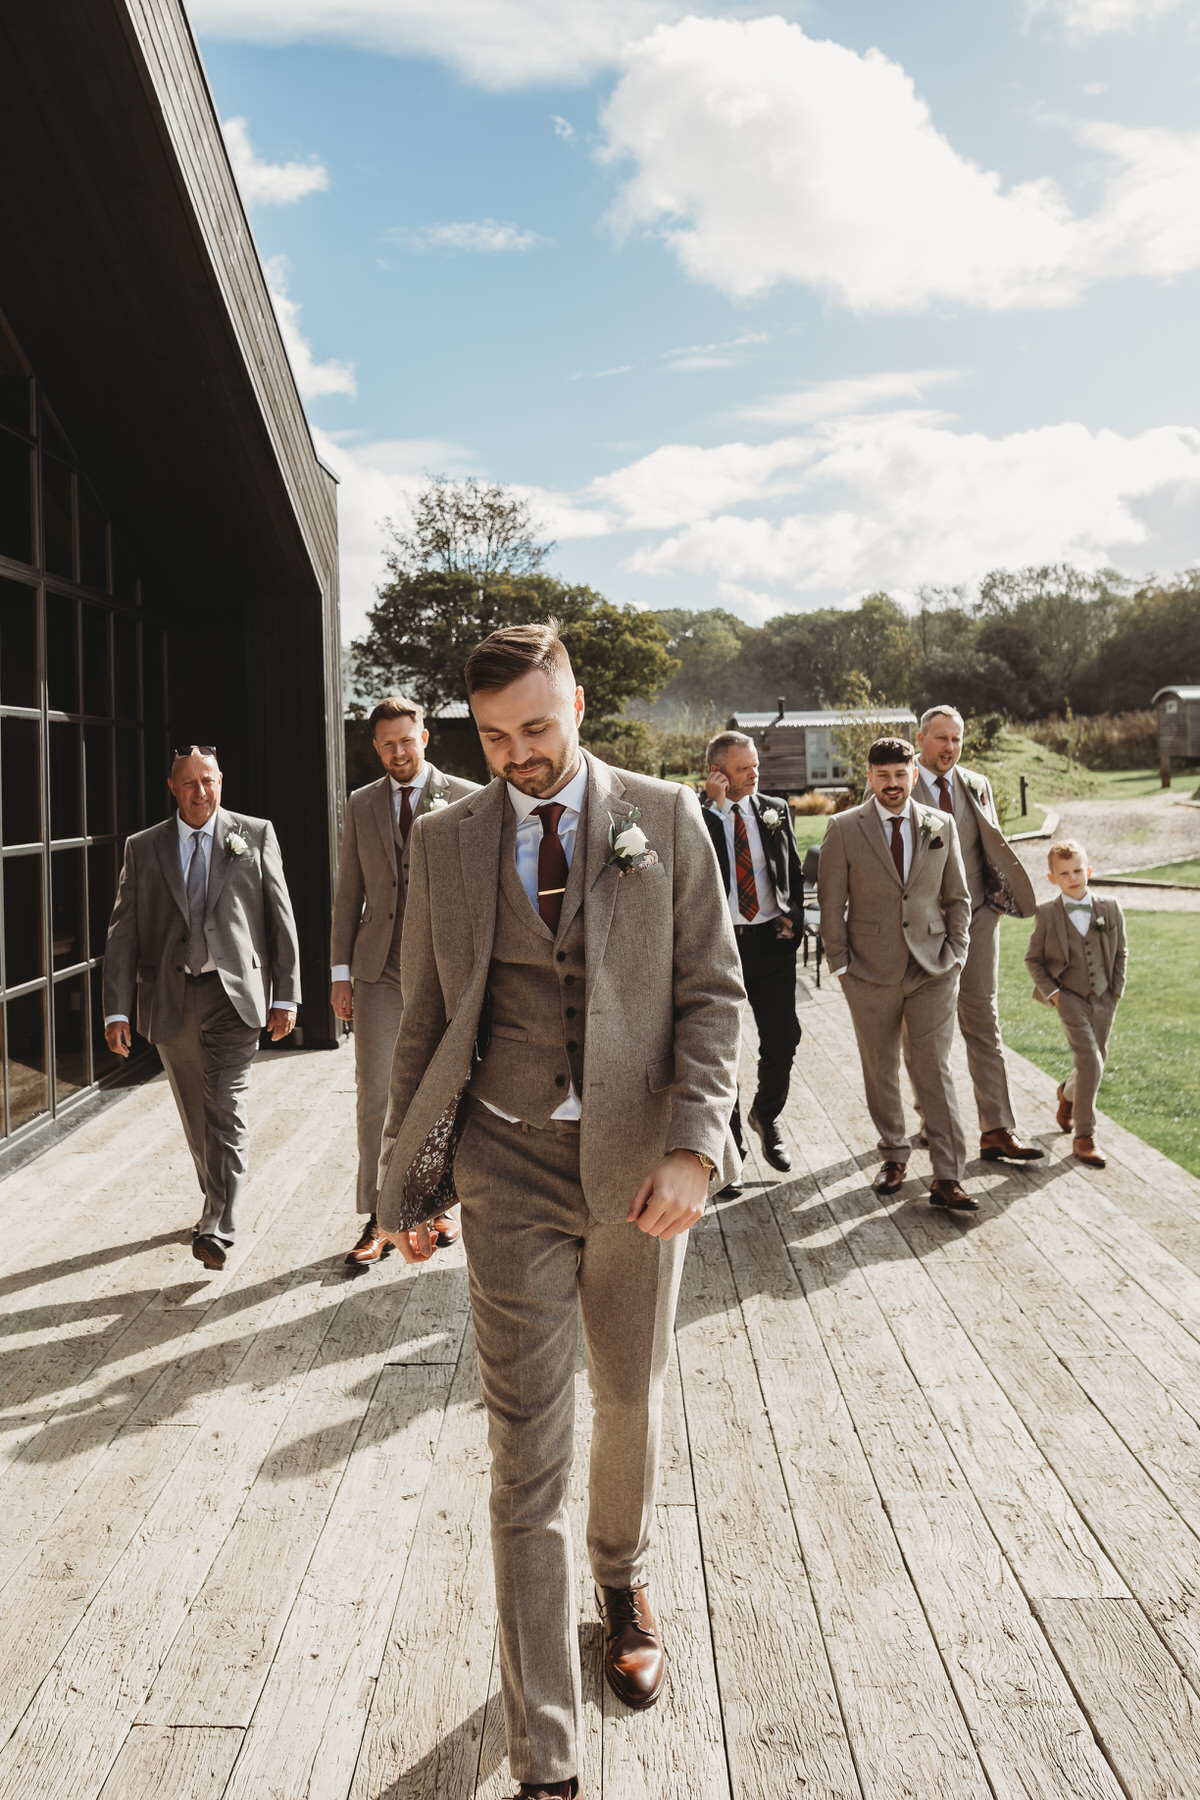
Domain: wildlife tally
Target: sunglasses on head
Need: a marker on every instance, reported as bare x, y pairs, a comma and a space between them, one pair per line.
195, 750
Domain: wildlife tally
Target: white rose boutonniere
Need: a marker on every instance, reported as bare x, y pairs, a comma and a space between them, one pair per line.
928, 827
437, 802
772, 818
235, 844
628, 846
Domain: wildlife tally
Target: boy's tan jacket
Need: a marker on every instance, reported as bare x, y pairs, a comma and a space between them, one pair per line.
663, 995
871, 921
1048, 955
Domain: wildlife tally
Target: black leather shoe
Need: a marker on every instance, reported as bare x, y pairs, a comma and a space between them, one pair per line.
733, 1190
209, 1250
547, 1790
774, 1148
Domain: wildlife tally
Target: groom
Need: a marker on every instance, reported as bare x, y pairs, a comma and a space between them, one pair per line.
571, 998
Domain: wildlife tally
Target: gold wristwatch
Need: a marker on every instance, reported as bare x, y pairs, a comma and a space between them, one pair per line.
706, 1162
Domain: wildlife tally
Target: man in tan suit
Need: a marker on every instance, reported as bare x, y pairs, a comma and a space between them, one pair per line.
368, 920
997, 884
566, 1065
896, 920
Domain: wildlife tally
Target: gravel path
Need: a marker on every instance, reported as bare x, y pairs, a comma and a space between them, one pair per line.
1128, 836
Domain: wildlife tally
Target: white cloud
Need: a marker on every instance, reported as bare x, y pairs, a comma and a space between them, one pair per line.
268, 183
563, 128
842, 398
761, 155
314, 379
487, 235
494, 43
1087, 18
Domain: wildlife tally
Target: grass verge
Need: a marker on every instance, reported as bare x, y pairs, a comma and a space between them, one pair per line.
1186, 873
1152, 1080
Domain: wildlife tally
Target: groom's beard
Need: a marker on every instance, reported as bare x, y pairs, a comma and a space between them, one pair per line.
542, 774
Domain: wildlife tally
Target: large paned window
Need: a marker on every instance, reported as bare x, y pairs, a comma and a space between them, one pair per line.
83, 746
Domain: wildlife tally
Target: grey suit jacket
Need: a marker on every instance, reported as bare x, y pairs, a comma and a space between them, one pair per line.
248, 925
372, 882
663, 995
871, 922
1049, 954
999, 857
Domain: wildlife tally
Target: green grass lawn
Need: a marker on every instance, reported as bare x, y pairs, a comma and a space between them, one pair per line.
1052, 778
1186, 873
1152, 1081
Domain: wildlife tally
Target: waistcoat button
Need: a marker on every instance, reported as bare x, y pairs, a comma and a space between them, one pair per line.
560, 1081
560, 956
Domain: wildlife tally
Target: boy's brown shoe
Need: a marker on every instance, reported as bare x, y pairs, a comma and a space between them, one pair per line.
1064, 1110
1086, 1151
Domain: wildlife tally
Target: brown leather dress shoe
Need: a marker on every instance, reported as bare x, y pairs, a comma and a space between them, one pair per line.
635, 1664
548, 1790
1063, 1115
1005, 1145
209, 1250
890, 1178
446, 1230
370, 1248
951, 1193
1086, 1151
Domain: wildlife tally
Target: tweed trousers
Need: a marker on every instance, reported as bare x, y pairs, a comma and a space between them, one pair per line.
378, 1008
1087, 1021
916, 1014
979, 1022
538, 1264
208, 1065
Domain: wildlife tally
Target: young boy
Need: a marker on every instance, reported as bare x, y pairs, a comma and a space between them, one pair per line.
1077, 957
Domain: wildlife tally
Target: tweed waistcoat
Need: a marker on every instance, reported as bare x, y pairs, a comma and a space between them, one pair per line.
536, 995
1085, 974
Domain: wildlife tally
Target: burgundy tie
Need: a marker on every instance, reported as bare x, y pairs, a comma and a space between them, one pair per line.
898, 847
406, 809
945, 802
747, 888
552, 864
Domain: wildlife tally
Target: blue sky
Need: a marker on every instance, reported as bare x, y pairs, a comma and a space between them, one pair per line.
760, 310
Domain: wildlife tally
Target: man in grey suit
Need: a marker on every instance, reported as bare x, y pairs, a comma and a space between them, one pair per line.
368, 921
896, 920
567, 1066
202, 932
997, 884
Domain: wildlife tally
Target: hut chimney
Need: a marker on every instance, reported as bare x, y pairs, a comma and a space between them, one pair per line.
782, 706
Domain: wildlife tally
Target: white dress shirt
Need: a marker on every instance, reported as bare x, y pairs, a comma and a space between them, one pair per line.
768, 905
1082, 921
930, 777
341, 971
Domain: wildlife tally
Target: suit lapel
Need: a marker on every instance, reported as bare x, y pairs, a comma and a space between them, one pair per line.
606, 793
435, 783
872, 830
772, 848
381, 809
921, 839
1062, 925
167, 846
218, 867
479, 856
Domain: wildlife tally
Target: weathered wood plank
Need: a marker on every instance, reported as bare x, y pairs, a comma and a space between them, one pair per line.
158, 1763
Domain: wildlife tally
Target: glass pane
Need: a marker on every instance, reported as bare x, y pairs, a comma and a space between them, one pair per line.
102, 893
67, 945
124, 573
16, 498
57, 482
97, 662
23, 958
152, 672
18, 644
70, 1038
62, 654
14, 394
53, 441
103, 1059
93, 540
20, 764
66, 785
97, 758
28, 1088
129, 768
125, 672
159, 802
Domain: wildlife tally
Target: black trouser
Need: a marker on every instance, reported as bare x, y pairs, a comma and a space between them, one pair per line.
769, 972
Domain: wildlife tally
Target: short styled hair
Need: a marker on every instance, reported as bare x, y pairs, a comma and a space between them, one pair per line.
396, 707
1062, 850
515, 651
938, 712
891, 750
723, 743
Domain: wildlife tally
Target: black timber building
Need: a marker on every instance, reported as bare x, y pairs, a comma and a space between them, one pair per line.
168, 535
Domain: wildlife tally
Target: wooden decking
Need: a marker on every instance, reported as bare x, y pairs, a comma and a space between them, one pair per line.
929, 1524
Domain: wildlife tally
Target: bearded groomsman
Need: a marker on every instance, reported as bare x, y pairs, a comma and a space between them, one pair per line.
997, 883
368, 922
896, 919
203, 933
566, 1064
764, 886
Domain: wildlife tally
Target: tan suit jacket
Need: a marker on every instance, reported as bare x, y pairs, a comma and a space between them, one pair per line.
999, 857
927, 918
1049, 955
663, 992
372, 880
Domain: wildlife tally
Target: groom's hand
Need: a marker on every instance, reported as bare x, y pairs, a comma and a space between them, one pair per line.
416, 1246
116, 1036
672, 1197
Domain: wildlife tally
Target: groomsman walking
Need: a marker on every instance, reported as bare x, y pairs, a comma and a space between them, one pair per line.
202, 932
368, 922
895, 917
566, 1064
764, 886
994, 873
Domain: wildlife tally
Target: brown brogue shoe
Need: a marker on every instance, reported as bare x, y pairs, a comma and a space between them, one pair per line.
890, 1178
1063, 1115
635, 1664
445, 1230
371, 1247
953, 1194
209, 1250
548, 1790
1004, 1145
1086, 1151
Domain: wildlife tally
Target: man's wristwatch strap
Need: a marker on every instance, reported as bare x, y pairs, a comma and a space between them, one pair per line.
706, 1162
